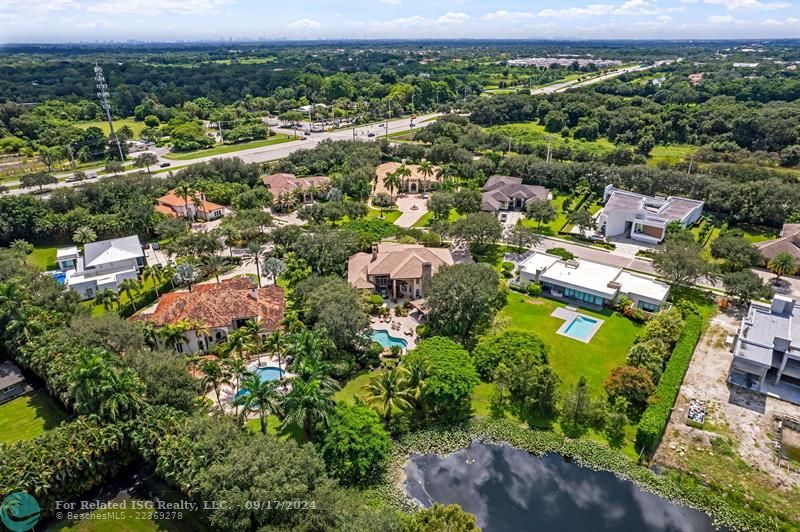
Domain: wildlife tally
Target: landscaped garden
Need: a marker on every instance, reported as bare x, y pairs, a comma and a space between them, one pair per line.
28, 416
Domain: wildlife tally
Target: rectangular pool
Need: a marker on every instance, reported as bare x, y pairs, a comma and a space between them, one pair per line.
581, 328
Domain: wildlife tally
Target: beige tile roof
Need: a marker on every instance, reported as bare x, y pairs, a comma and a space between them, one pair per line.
280, 183
398, 261
789, 241
382, 170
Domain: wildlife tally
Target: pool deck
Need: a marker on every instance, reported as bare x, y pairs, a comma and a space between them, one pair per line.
406, 323
228, 393
568, 315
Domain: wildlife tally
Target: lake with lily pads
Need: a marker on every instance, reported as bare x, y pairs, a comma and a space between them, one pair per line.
508, 489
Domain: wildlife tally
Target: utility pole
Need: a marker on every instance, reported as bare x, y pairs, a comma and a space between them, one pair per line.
549, 152
71, 158
691, 162
221, 139
102, 93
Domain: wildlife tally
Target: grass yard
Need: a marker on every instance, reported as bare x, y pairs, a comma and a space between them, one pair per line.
555, 226
43, 258
427, 219
28, 416
97, 310
274, 427
571, 358
353, 388
137, 127
390, 215
185, 156
672, 154
535, 135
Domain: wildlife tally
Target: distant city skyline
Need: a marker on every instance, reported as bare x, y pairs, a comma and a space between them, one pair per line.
52, 21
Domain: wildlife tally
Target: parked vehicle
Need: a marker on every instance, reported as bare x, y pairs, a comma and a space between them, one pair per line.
165, 164
370, 134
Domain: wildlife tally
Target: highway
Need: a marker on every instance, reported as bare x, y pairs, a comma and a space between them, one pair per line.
574, 84
265, 153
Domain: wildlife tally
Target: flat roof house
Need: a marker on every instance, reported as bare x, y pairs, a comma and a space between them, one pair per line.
766, 351
12, 382
506, 193
641, 217
104, 264
397, 270
174, 206
789, 241
591, 282
220, 308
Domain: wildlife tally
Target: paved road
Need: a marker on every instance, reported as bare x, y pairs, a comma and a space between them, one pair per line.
574, 84
278, 151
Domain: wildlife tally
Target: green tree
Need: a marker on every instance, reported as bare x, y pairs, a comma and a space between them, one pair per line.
259, 396
382, 200
49, 157
308, 404
23, 247
215, 376
529, 388
334, 306
113, 167
467, 201
106, 297
507, 347
427, 171
522, 237
641, 355
582, 219
634, 384
392, 182
83, 235
578, 410
462, 299
131, 288
680, 259
166, 377
274, 267
355, 446
450, 378
388, 390
744, 286
782, 264
616, 421
541, 211
440, 203
101, 385
187, 193
145, 160
736, 250
155, 274
39, 179
441, 518
478, 230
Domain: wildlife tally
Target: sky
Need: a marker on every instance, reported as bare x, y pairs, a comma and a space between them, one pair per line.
177, 20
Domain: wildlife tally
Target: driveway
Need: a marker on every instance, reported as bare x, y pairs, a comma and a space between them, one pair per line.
410, 216
598, 255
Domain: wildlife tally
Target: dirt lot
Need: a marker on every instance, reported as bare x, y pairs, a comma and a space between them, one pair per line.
738, 439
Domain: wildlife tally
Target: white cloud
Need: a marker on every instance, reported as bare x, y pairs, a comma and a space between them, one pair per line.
503, 14
749, 4
407, 21
305, 24
156, 7
791, 22
390, 2
591, 10
722, 19
452, 18
101, 24
643, 7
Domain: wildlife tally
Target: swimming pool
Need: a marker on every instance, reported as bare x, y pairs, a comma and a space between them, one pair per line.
581, 328
387, 340
60, 277
267, 373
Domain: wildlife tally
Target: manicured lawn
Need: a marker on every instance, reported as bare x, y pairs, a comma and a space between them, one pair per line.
137, 127
28, 416
555, 226
43, 258
230, 148
274, 427
427, 219
388, 215
571, 358
755, 233
353, 388
97, 310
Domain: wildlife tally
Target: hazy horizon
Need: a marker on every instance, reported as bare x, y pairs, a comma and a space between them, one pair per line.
169, 21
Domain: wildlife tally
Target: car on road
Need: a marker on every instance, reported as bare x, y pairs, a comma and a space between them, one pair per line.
91, 175
370, 134
165, 164
72, 179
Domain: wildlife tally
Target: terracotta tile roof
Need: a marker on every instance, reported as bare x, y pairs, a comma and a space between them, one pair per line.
172, 200
281, 183
208, 206
167, 211
220, 304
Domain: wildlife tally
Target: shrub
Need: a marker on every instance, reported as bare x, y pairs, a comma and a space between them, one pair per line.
634, 384
534, 289
561, 252
374, 304
655, 417
355, 445
507, 266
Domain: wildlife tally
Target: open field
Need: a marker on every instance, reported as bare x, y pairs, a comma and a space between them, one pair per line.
229, 148
136, 126
671, 154
535, 135
28, 416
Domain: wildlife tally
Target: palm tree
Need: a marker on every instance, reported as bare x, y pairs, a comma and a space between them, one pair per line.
403, 172
782, 264
199, 328
98, 386
252, 330
214, 264
391, 181
308, 403
106, 297
156, 274
427, 171
214, 376
150, 332
168, 273
130, 287
254, 248
276, 342
261, 396
173, 334
418, 370
186, 273
239, 343
185, 191
83, 235
388, 390
235, 367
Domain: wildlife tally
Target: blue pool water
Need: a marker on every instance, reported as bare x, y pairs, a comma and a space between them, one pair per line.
267, 373
581, 328
61, 277
387, 340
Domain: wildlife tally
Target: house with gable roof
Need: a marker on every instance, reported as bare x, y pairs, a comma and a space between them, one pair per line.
506, 193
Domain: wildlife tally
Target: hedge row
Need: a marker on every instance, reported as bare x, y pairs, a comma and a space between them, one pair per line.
654, 420
143, 300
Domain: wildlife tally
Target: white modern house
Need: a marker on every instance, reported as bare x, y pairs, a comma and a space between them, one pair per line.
591, 282
104, 264
643, 218
766, 351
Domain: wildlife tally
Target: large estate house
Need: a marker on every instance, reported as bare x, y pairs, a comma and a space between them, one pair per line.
643, 218
506, 193
397, 270
788, 241
766, 351
591, 282
212, 311
288, 189
414, 183
102, 265
197, 206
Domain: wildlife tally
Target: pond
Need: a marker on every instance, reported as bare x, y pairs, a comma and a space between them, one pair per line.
509, 489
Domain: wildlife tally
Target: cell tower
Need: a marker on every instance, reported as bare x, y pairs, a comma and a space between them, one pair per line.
102, 93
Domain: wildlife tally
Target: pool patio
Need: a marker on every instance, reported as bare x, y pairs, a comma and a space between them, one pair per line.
569, 315
398, 326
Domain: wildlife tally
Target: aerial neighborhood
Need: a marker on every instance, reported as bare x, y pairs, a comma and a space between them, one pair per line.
402, 286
